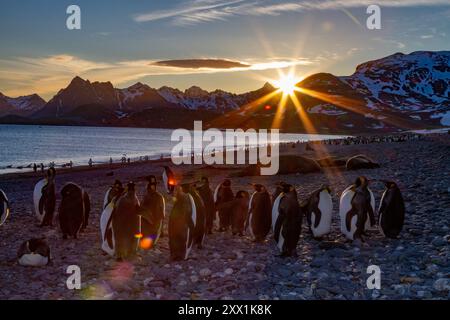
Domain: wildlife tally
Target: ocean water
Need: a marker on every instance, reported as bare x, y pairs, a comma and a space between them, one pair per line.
21, 146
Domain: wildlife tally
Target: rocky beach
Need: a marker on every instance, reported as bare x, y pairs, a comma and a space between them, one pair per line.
415, 266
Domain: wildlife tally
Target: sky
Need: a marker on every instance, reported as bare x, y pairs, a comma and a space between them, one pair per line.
233, 45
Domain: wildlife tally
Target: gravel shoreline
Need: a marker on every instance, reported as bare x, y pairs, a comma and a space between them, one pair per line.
415, 266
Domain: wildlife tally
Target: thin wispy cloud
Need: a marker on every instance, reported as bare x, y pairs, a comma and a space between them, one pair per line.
201, 11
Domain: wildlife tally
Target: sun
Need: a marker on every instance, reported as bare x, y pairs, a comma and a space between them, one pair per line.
286, 84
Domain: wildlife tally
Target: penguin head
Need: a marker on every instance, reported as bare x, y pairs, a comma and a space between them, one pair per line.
288, 188
51, 173
258, 187
117, 184
226, 183
361, 181
242, 194
389, 184
151, 182
204, 180
131, 186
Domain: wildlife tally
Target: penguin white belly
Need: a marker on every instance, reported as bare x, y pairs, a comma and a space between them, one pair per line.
216, 193
372, 203
105, 200
37, 195
189, 241
326, 209
345, 205
380, 218
280, 240
166, 181
275, 210
33, 260
104, 228
250, 218
4, 209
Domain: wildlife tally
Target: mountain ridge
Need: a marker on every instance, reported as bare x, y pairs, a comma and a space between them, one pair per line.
410, 89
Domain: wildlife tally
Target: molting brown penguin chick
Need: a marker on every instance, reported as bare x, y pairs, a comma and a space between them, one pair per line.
72, 210
222, 195
259, 218
152, 212
125, 223
205, 192
44, 197
391, 214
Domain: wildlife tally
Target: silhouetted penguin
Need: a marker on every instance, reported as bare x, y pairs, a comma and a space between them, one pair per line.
222, 195
391, 214
259, 218
200, 214
239, 212
4, 207
208, 200
34, 253
44, 197
72, 210
288, 220
318, 209
106, 229
125, 223
169, 180
112, 192
181, 226
152, 212
356, 209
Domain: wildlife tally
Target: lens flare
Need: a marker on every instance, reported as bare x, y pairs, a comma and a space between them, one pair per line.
146, 243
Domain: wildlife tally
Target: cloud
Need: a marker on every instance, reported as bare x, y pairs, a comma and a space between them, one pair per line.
202, 63
200, 11
427, 36
46, 75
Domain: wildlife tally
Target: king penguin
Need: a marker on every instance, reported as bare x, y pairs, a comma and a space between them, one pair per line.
169, 180
259, 218
391, 213
182, 221
4, 207
208, 200
152, 212
73, 210
125, 224
356, 209
200, 214
44, 197
106, 229
288, 220
222, 195
34, 253
318, 209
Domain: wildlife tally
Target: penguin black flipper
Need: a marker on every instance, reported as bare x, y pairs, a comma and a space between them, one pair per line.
318, 215
348, 219
87, 209
371, 215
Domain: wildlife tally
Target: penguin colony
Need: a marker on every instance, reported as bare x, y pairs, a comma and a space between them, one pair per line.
128, 224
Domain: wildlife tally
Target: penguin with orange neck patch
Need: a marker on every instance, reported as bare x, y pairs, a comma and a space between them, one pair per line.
169, 180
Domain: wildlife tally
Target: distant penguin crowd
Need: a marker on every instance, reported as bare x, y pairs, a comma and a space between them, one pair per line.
129, 224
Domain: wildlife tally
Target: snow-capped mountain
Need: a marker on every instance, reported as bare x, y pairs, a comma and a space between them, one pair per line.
23, 105
396, 92
417, 83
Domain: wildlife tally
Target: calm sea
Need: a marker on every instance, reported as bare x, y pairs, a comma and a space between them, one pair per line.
21, 146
